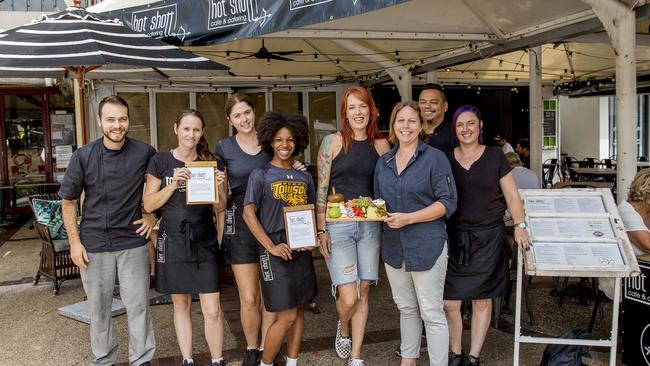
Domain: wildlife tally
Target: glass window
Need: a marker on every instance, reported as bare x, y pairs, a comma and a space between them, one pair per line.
211, 106
25, 142
139, 119
62, 129
25, 138
287, 103
168, 107
322, 120
259, 101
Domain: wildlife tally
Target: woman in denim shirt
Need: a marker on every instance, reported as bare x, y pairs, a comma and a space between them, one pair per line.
416, 182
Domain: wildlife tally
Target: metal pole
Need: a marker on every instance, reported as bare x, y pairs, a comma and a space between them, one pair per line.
518, 284
536, 114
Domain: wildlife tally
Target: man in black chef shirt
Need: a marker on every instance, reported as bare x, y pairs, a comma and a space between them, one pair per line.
433, 105
112, 237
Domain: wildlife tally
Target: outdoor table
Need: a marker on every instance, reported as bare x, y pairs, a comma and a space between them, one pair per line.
591, 174
639, 164
636, 315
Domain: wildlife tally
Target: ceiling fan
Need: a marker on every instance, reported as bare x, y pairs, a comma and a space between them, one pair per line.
264, 53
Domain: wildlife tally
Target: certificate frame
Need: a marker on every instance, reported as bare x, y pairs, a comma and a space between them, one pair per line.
300, 221
189, 186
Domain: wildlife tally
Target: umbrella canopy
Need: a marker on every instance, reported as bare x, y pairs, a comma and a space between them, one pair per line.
77, 38
77, 41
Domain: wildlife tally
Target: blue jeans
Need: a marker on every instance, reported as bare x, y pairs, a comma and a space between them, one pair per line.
354, 252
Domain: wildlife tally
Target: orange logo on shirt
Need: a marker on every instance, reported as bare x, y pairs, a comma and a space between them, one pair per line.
292, 193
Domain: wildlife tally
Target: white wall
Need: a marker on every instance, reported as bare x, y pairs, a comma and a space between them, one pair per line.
584, 129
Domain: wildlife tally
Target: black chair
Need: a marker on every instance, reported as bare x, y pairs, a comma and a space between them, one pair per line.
607, 163
568, 162
591, 162
549, 170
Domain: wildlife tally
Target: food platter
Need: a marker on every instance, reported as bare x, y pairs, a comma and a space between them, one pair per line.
350, 219
358, 209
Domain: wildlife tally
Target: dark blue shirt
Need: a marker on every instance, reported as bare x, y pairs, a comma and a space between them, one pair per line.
426, 179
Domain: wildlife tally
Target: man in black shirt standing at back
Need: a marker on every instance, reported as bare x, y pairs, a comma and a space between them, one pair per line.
433, 105
113, 235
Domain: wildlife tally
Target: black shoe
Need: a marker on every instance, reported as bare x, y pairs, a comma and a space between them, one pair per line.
220, 363
313, 306
251, 358
471, 361
187, 363
456, 359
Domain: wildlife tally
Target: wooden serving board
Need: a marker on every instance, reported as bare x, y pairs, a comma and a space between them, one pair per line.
349, 219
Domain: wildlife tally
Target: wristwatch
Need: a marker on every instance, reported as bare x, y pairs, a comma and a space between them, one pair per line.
521, 225
321, 231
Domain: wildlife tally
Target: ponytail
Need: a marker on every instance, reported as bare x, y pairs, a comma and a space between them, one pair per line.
203, 150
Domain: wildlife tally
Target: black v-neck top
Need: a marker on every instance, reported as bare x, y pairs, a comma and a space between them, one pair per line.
480, 203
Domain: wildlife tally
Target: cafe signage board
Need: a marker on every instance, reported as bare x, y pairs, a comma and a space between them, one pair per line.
576, 233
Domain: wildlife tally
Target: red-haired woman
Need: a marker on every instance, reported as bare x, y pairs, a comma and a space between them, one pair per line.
346, 161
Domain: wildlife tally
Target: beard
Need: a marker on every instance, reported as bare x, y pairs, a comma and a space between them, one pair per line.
108, 136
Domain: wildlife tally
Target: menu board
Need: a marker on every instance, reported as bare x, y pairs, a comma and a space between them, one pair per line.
567, 227
576, 232
564, 204
583, 254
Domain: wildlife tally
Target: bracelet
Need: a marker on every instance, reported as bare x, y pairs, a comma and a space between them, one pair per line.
322, 231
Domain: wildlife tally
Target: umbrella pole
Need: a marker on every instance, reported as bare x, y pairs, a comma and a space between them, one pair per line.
80, 110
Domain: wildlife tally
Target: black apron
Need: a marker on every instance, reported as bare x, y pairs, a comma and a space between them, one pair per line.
286, 284
239, 245
478, 264
186, 254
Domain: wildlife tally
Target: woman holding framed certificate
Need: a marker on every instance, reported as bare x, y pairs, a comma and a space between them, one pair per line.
186, 249
276, 192
241, 154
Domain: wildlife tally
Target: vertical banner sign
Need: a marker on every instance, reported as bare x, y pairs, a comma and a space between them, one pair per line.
205, 22
636, 318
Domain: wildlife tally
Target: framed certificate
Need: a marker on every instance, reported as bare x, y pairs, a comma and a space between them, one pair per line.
201, 188
300, 226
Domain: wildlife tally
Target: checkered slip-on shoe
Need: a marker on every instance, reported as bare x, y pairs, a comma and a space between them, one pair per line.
342, 345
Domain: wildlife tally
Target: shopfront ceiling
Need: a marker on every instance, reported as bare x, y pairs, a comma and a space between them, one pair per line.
466, 41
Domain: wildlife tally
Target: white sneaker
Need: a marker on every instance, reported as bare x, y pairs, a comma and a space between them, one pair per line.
355, 362
342, 345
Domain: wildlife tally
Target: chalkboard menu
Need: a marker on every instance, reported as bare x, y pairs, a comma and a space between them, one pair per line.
549, 123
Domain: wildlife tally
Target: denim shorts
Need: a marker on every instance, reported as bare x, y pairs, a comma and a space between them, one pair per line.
355, 251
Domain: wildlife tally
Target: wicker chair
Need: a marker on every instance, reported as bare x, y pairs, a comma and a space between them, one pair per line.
55, 262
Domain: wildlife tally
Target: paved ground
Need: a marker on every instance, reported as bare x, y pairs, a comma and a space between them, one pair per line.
31, 332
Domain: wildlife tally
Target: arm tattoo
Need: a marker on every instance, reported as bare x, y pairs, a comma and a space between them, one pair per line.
324, 168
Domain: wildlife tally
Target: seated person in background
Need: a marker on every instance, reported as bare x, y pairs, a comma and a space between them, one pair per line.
523, 149
503, 143
635, 213
524, 177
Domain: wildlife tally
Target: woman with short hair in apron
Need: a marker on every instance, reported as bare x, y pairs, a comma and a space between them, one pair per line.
478, 254
288, 277
186, 249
